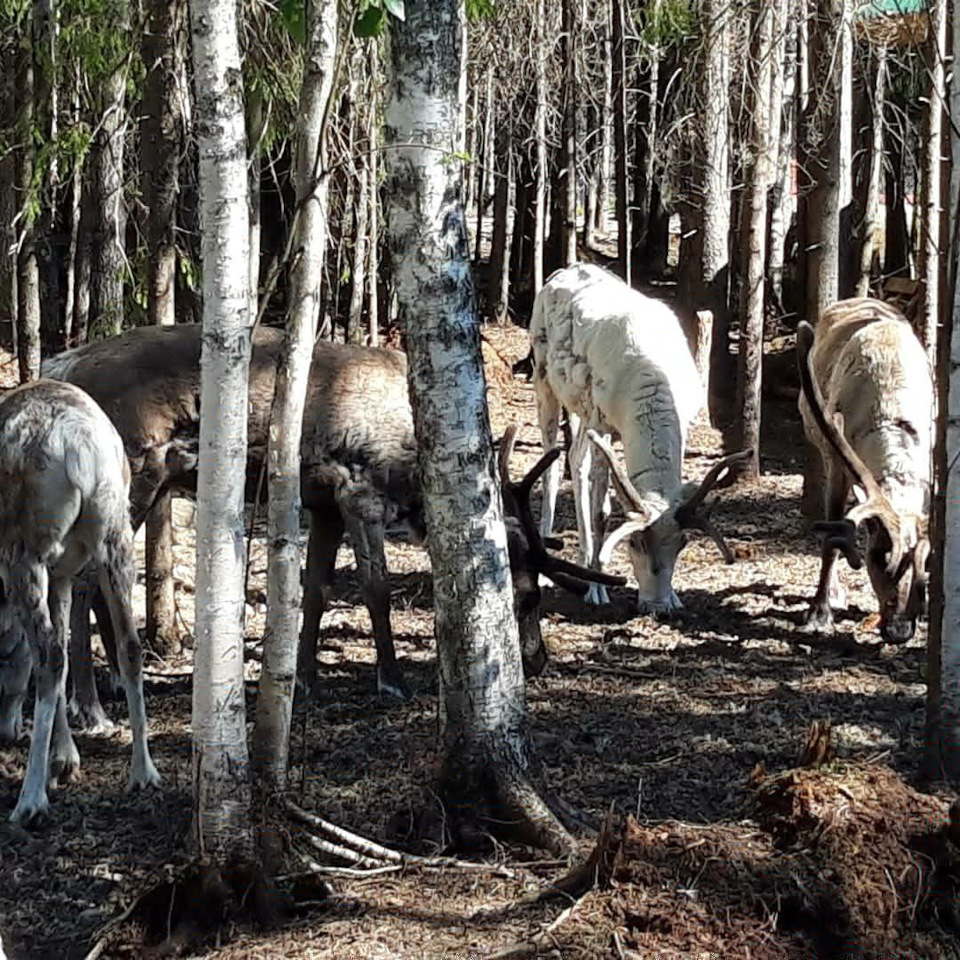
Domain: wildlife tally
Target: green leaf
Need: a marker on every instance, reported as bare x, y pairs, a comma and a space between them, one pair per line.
479, 10
369, 23
396, 8
295, 18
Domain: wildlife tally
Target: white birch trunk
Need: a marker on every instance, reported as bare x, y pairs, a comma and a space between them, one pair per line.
271, 735
220, 763
477, 639
932, 191
943, 650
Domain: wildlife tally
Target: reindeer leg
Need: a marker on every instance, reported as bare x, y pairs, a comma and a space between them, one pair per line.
830, 592
30, 583
548, 412
14, 677
589, 506
85, 707
326, 532
367, 540
116, 570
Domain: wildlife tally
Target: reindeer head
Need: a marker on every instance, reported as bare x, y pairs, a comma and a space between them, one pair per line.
529, 556
657, 533
896, 552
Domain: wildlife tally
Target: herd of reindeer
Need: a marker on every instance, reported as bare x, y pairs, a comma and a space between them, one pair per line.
86, 451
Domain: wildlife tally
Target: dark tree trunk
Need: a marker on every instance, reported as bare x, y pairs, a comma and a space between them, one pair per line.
567, 180
161, 143
28, 275
499, 274
644, 144
8, 198
621, 159
109, 260
821, 197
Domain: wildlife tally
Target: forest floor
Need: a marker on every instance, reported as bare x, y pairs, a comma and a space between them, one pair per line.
691, 729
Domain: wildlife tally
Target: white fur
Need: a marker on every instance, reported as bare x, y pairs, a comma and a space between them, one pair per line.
619, 363
64, 491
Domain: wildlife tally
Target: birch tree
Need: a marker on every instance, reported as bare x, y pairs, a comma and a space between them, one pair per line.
716, 176
489, 766
271, 734
220, 766
943, 644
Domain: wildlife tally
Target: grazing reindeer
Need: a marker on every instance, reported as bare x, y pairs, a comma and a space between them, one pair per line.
64, 494
867, 405
618, 361
358, 468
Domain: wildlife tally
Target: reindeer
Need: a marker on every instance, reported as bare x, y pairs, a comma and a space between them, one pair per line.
358, 471
618, 361
64, 492
867, 405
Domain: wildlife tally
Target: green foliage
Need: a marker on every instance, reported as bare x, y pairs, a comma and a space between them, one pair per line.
480, 10
665, 22
294, 16
372, 16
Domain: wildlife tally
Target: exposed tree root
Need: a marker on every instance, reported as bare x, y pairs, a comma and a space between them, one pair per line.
368, 858
489, 786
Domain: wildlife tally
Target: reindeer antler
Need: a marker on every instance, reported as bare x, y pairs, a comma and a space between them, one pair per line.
516, 502
842, 534
689, 514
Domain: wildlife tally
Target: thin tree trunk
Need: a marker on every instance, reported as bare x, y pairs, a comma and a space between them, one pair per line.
373, 139
540, 121
46, 97
484, 160
821, 130
271, 735
83, 265
255, 121
499, 274
109, 259
75, 207
931, 252
591, 176
715, 263
606, 113
222, 826
942, 754
871, 214
8, 196
28, 274
896, 235
621, 160
567, 180
488, 761
161, 143
781, 200
358, 269
645, 140
750, 356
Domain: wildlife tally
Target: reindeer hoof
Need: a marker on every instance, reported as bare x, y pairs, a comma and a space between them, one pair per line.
390, 683
817, 619
143, 776
31, 811
90, 720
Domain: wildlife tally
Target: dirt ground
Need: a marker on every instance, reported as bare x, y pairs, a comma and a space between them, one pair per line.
689, 729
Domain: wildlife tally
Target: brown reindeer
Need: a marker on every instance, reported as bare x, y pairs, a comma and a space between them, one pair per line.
358, 473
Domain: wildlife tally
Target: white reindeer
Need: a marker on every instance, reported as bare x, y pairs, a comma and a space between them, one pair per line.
64, 501
619, 361
867, 404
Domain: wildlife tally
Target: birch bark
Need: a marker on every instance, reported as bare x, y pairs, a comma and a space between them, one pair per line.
220, 761
271, 735
488, 761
